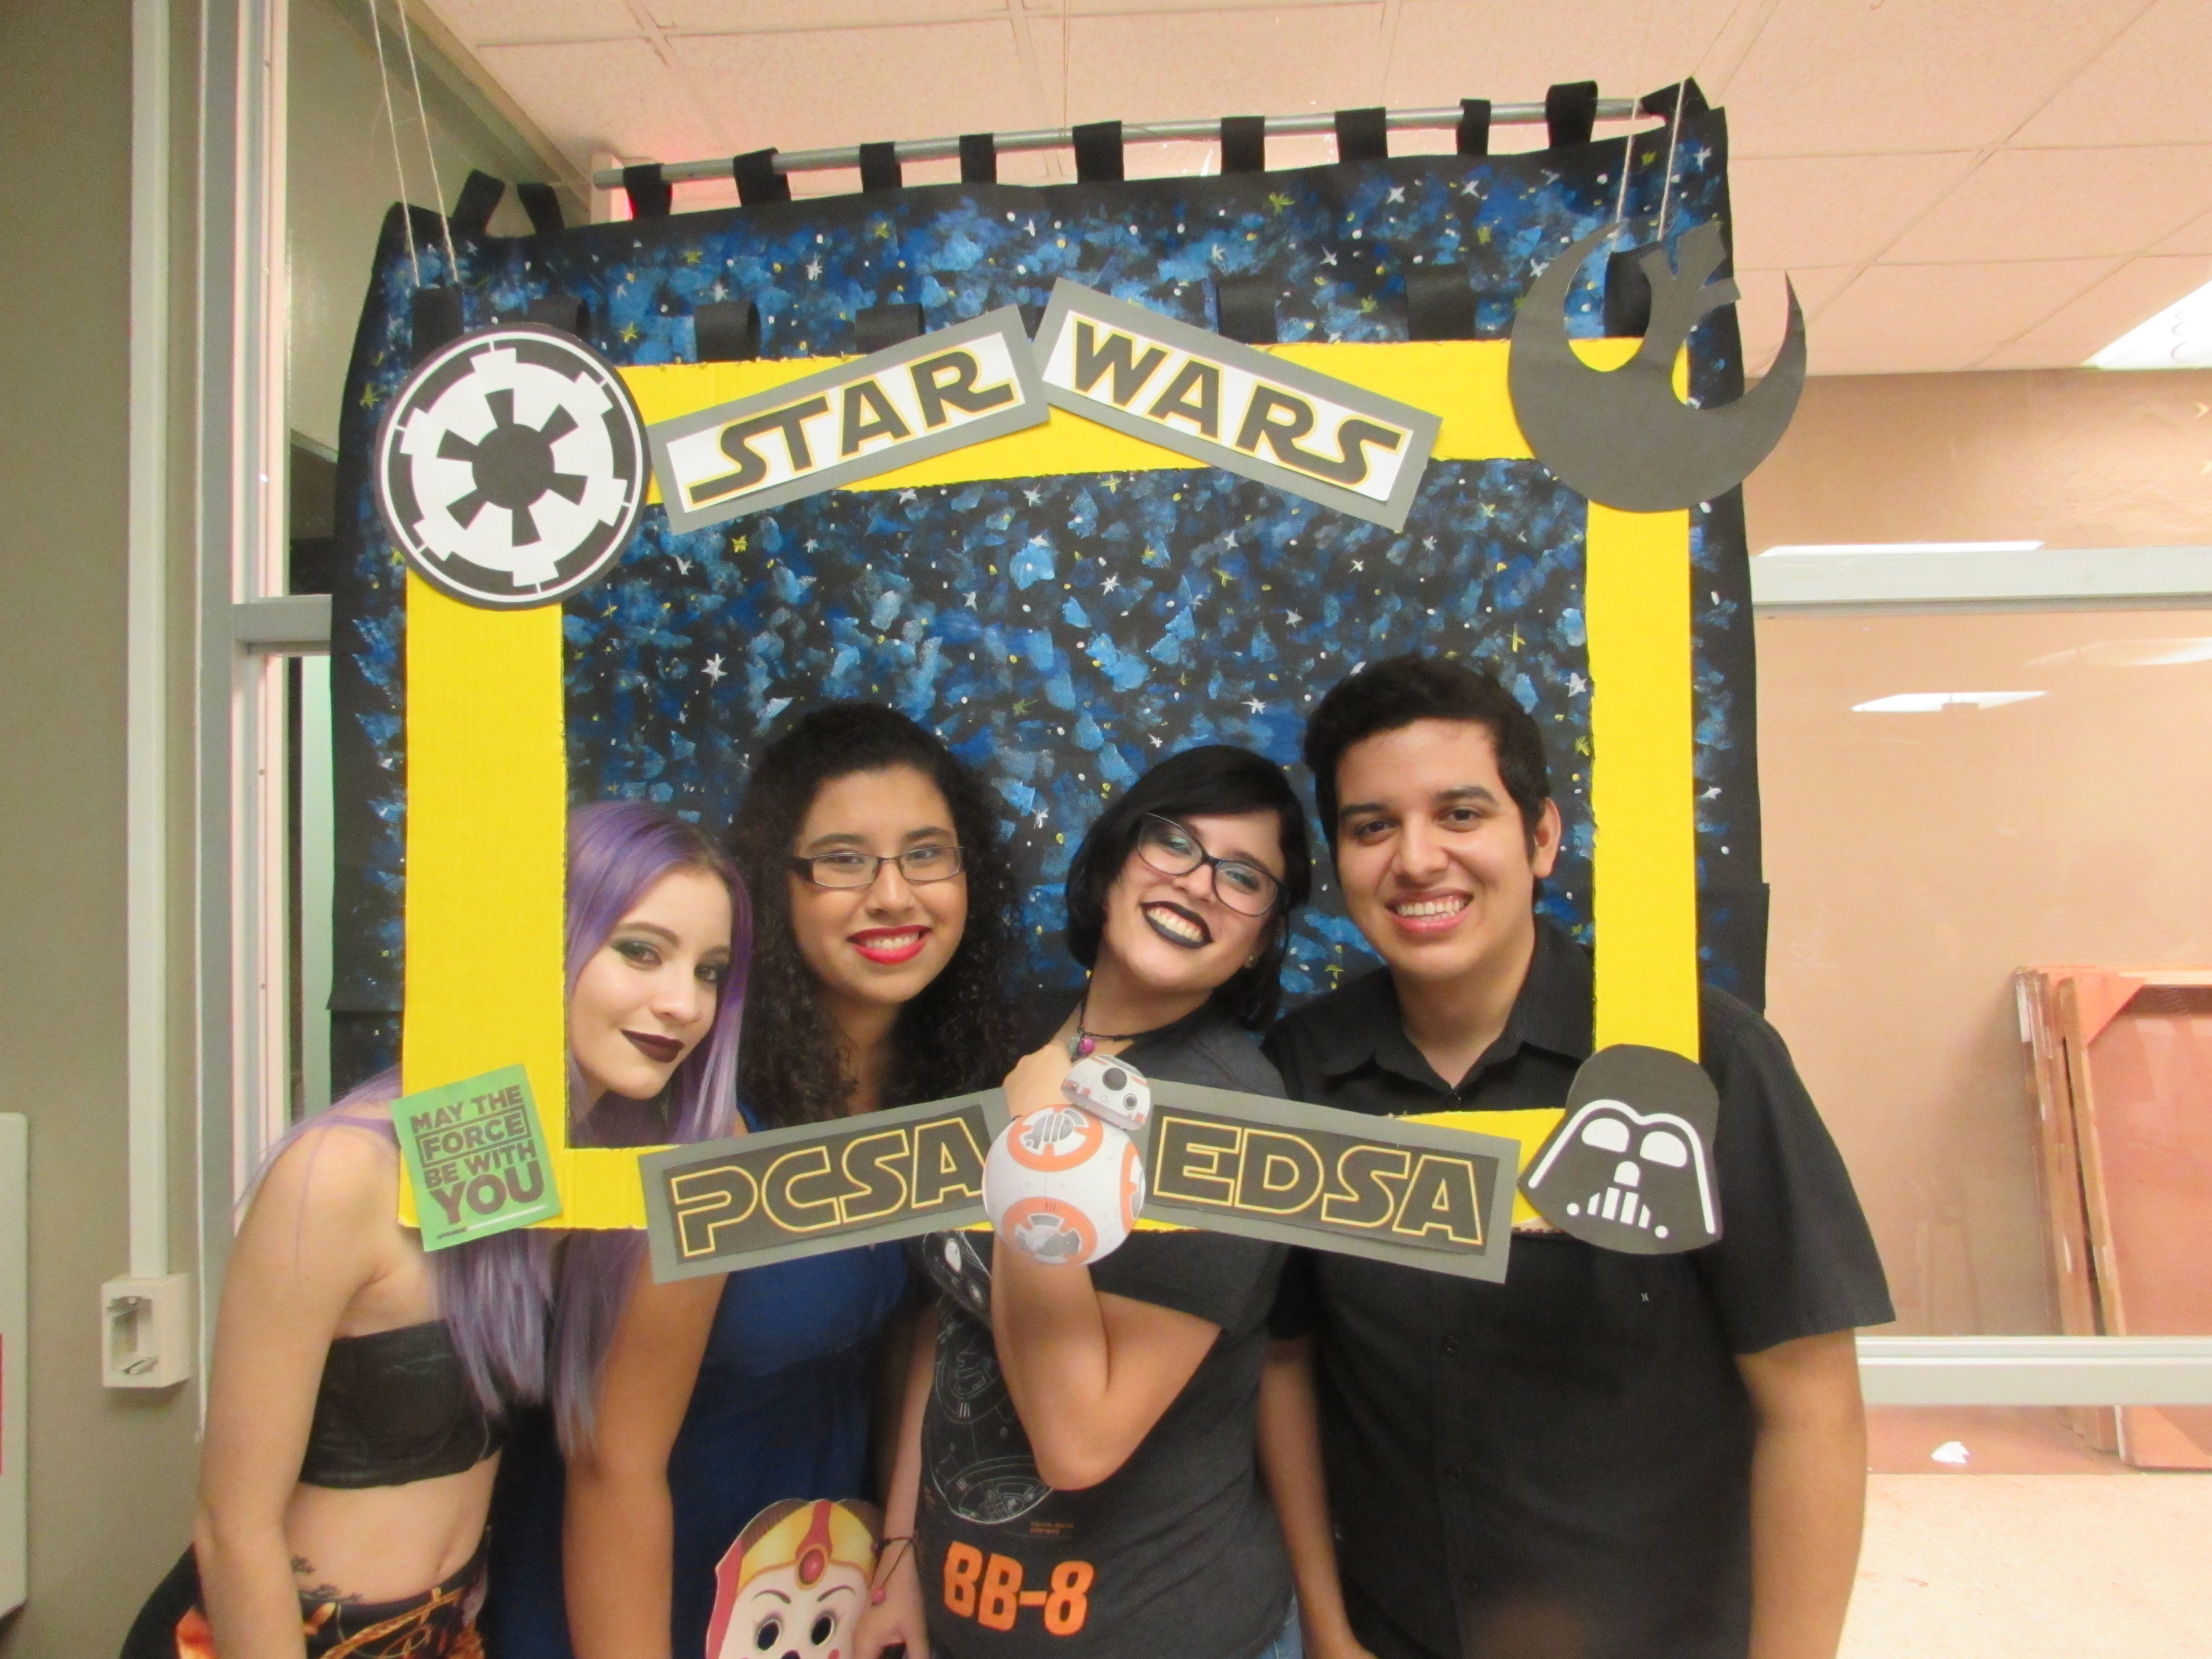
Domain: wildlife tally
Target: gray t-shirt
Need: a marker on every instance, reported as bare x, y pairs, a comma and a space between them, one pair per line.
1178, 1551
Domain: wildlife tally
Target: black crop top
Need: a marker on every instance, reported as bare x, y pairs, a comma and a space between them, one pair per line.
395, 1406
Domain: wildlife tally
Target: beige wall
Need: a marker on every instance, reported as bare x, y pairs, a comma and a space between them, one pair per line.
1915, 859
110, 1473
2071, 458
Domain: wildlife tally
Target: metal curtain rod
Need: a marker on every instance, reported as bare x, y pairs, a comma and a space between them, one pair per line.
1134, 132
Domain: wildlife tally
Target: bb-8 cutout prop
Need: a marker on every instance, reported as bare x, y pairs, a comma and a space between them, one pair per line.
1061, 1184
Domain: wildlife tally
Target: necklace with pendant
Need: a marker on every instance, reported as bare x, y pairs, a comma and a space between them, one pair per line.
1086, 1041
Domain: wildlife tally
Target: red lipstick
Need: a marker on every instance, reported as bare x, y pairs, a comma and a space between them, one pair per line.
890, 945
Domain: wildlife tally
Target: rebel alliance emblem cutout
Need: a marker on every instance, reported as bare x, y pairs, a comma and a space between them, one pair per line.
512, 467
1630, 1166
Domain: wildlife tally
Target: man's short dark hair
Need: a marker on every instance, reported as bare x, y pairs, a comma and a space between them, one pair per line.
1386, 695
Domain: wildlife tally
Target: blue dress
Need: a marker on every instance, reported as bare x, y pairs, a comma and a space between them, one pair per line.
781, 1410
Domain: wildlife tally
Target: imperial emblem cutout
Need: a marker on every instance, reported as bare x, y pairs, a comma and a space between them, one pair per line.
511, 469
1630, 1166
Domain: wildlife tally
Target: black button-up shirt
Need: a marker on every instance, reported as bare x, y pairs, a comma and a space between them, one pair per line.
1559, 1465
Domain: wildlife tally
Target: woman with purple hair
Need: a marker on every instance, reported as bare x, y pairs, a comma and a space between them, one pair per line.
361, 1388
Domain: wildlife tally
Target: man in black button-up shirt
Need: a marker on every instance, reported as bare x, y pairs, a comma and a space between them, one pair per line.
1607, 1456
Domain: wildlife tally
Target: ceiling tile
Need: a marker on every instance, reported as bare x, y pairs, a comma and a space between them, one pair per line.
1891, 357
2020, 354
740, 16
1845, 75
1961, 310
2195, 237
1764, 311
813, 88
1833, 209
478, 20
610, 94
2047, 203
2147, 88
1168, 66
2137, 292
1448, 50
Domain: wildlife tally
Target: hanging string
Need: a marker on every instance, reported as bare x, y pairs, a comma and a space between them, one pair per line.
1628, 140
437, 190
1666, 178
391, 121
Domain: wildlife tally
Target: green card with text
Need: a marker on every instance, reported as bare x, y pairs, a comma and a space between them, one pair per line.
476, 1156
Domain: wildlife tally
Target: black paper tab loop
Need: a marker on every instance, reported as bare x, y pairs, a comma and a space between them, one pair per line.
1244, 308
435, 319
1627, 294
1363, 135
650, 195
1570, 112
1474, 126
726, 331
880, 167
479, 199
1439, 304
1098, 153
879, 327
542, 205
979, 159
566, 312
758, 182
1243, 144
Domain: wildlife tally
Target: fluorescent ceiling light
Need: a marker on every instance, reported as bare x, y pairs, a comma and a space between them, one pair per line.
1934, 702
1797, 550
2131, 654
2179, 337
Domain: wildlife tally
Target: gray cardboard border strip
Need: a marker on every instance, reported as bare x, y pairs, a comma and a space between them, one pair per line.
1070, 299
1030, 408
654, 1170
1488, 1263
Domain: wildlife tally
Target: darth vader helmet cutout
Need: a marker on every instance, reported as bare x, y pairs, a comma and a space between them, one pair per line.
1630, 1166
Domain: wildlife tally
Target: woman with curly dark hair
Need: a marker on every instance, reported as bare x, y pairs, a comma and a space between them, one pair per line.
878, 978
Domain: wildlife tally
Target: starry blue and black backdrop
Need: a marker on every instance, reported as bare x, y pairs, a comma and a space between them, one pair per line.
1062, 632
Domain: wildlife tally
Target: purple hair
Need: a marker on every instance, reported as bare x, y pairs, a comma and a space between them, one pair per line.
531, 1319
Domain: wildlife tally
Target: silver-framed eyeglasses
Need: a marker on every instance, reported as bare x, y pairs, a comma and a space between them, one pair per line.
849, 867
1173, 850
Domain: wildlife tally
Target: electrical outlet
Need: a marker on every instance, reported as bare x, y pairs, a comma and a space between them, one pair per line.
146, 1332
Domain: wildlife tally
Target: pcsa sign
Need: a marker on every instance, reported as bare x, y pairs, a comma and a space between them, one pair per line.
1233, 406
940, 391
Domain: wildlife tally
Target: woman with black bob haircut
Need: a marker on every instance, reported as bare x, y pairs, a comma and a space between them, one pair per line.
1087, 1434
1218, 779
877, 978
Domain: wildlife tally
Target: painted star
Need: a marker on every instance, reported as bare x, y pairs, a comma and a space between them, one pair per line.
906, 494
1033, 496
1397, 193
811, 543
1153, 736
1327, 257
1040, 819
1293, 618
713, 670
682, 565
1576, 684
1110, 584
814, 270
1256, 705
971, 601
1359, 564
1470, 188
1430, 543
630, 331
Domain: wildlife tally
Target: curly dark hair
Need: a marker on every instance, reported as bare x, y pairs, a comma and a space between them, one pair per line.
1216, 778
958, 1034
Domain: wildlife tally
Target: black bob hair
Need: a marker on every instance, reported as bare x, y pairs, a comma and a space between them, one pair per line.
1387, 696
1218, 780
957, 1034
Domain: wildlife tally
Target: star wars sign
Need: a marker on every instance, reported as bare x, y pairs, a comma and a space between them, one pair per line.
784, 1193
1233, 406
511, 469
938, 392
1380, 1187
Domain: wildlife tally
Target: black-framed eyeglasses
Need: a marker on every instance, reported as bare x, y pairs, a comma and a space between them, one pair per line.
1173, 850
847, 867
